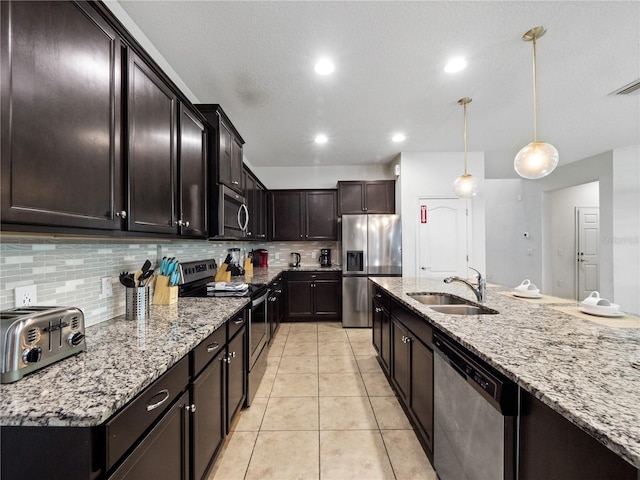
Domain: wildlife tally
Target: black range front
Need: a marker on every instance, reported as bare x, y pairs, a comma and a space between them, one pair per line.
196, 281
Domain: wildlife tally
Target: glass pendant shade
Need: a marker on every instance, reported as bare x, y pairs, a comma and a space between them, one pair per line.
536, 160
465, 186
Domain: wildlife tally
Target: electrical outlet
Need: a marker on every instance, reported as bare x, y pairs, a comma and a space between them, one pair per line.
26, 296
313, 254
530, 252
107, 287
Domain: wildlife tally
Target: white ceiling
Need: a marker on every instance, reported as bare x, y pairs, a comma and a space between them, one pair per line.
256, 59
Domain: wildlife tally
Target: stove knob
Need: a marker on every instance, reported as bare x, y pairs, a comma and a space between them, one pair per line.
75, 339
32, 355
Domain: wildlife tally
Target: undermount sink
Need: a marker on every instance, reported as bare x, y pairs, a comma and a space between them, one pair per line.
463, 310
437, 299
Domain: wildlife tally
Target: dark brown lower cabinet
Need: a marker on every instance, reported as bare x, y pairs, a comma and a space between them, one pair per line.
164, 452
400, 363
381, 320
236, 375
553, 448
314, 295
208, 419
411, 368
421, 396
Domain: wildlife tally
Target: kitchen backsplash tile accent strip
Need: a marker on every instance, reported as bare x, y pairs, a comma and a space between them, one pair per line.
68, 271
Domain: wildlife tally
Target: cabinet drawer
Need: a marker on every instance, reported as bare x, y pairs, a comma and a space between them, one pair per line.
134, 419
380, 296
418, 325
237, 322
311, 276
208, 349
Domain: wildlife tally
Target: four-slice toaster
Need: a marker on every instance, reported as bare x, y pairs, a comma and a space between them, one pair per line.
34, 337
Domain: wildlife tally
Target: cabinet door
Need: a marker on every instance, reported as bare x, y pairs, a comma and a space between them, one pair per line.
208, 419
326, 298
286, 215
251, 197
380, 196
152, 151
236, 165
299, 298
321, 218
60, 116
260, 224
385, 340
400, 361
224, 154
421, 402
376, 321
237, 379
164, 452
193, 174
350, 197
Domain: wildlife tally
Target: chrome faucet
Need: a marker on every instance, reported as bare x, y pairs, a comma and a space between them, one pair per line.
480, 290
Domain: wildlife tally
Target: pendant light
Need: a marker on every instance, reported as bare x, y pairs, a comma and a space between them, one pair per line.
466, 185
538, 159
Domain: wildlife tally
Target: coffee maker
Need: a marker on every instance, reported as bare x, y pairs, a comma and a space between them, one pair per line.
233, 259
260, 257
325, 257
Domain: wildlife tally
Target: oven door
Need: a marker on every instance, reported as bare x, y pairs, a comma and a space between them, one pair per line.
258, 327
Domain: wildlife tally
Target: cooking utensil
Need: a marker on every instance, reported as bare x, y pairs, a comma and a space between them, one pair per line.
143, 279
127, 280
146, 266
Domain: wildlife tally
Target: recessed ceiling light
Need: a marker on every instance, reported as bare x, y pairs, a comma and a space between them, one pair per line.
324, 67
455, 65
321, 138
399, 137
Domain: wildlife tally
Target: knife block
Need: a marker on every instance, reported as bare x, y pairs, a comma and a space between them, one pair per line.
163, 294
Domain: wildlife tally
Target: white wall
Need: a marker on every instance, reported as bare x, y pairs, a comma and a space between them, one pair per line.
427, 174
626, 228
142, 39
319, 176
560, 208
618, 174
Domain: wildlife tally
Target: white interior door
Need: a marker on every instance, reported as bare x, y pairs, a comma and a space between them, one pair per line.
442, 237
588, 251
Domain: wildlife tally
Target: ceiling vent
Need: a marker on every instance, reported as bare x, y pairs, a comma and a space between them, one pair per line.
629, 89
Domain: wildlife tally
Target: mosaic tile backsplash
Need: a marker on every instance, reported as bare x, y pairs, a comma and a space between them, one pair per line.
68, 271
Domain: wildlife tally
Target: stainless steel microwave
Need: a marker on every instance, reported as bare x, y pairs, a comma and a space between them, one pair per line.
231, 216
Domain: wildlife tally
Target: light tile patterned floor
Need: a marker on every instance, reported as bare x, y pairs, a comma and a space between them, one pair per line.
324, 411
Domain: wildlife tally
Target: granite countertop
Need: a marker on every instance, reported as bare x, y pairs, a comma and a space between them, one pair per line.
123, 357
587, 372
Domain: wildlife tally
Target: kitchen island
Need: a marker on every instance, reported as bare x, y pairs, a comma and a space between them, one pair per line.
586, 372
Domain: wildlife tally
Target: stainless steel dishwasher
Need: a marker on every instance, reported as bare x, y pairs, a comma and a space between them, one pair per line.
475, 410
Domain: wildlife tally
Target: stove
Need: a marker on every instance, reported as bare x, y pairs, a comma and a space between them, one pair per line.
197, 281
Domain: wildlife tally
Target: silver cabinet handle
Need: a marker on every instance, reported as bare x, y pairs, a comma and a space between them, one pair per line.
183, 224
238, 322
121, 214
233, 354
378, 309
212, 346
190, 408
235, 182
378, 295
153, 406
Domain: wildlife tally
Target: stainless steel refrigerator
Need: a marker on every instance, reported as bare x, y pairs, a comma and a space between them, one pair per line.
371, 247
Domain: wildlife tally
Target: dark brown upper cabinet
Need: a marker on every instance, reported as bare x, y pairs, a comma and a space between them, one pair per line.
61, 116
374, 196
193, 174
255, 195
152, 151
303, 215
225, 148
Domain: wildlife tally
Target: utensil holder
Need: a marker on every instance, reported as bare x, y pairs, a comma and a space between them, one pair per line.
163, 293
137, 304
